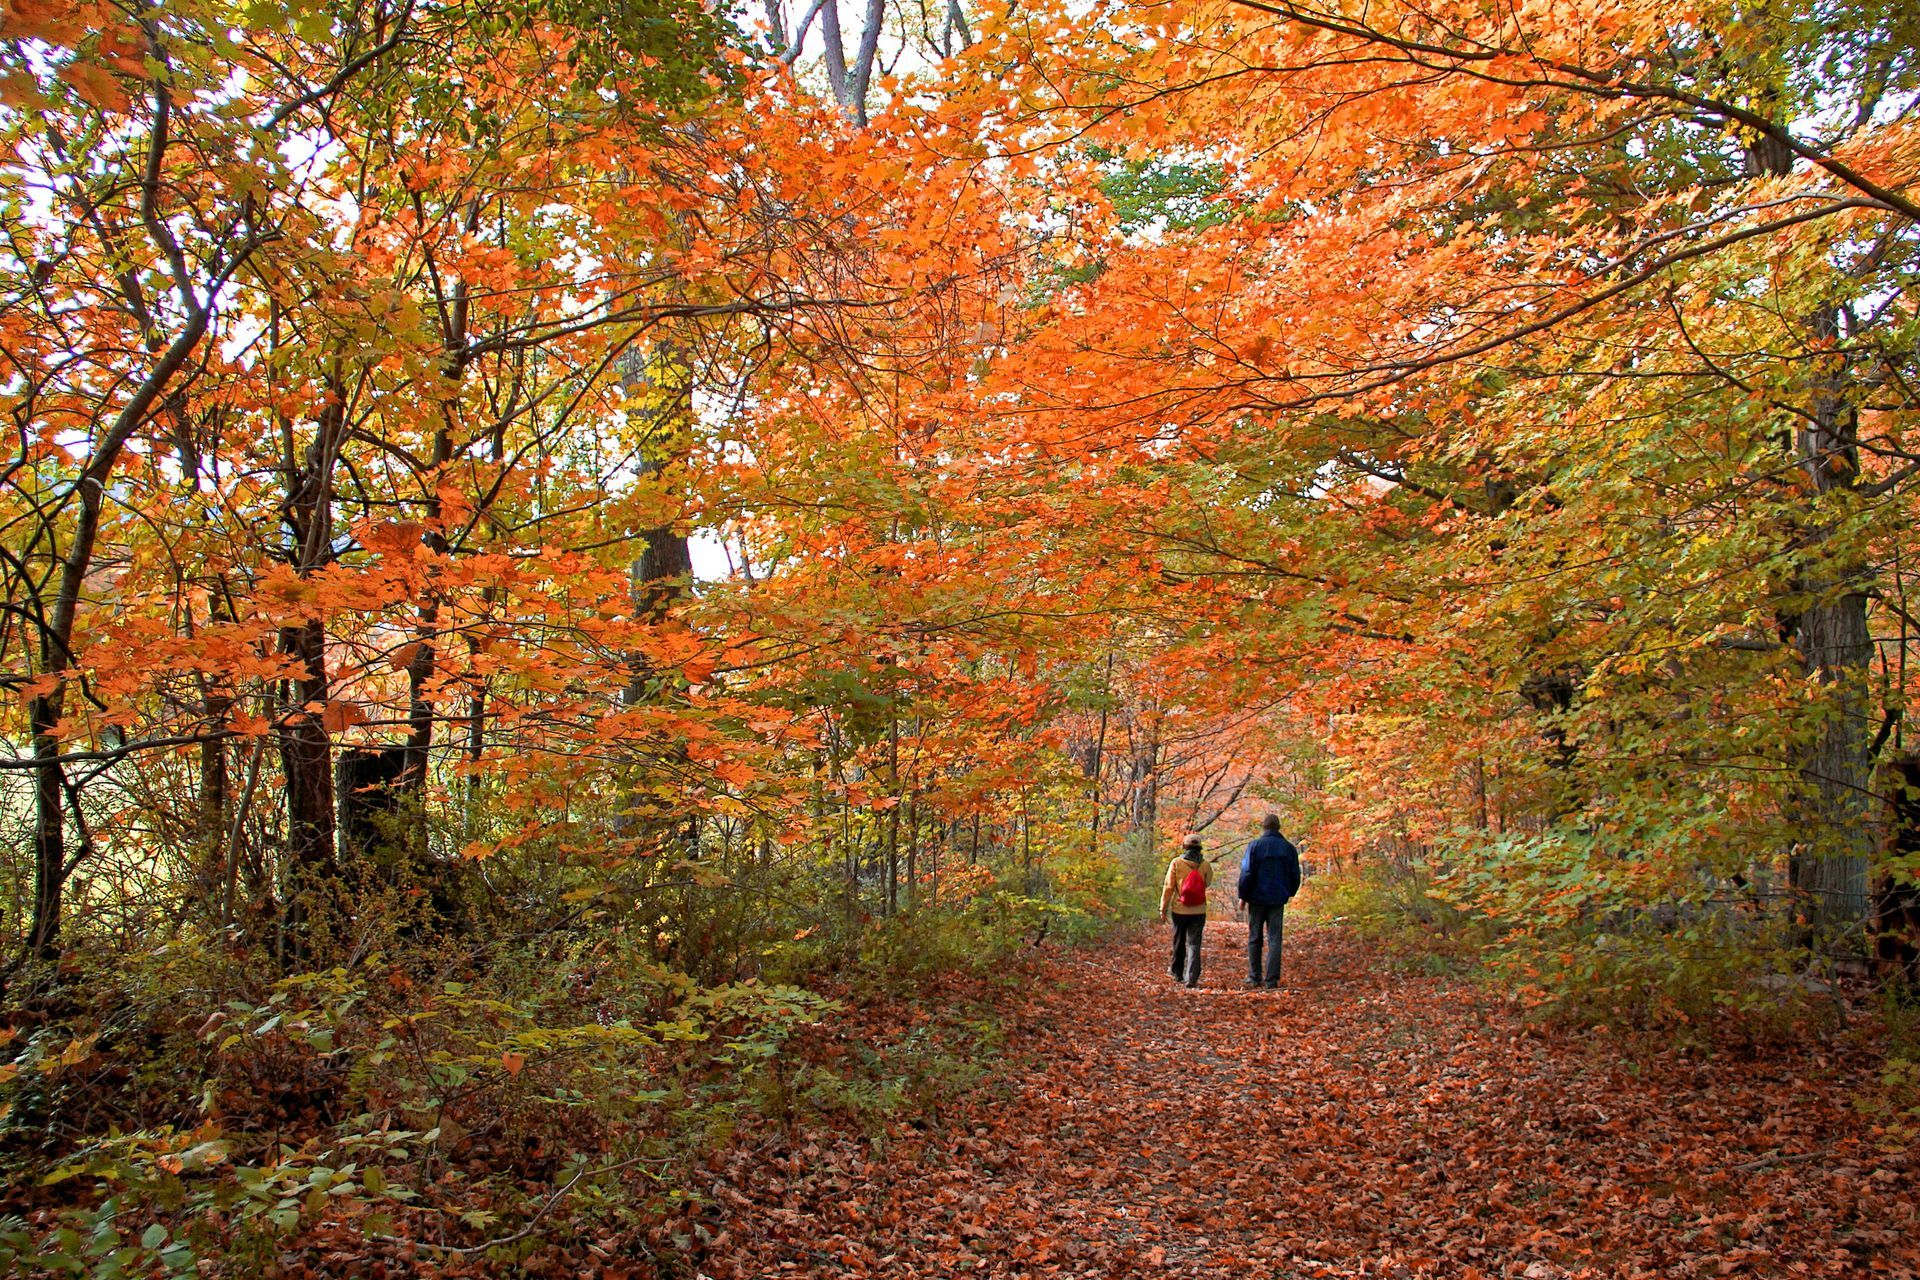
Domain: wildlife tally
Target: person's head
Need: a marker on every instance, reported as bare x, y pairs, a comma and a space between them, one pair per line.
1271, 824
1190, 848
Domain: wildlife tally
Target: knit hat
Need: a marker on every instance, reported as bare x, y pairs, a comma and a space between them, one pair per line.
1190, 845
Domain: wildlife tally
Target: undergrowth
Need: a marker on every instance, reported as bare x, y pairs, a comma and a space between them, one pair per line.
489, 1100
1693, 979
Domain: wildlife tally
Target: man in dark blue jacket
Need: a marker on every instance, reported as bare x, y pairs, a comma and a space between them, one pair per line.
1269, 875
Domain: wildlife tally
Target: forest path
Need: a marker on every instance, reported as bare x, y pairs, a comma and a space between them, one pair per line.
1357, 1122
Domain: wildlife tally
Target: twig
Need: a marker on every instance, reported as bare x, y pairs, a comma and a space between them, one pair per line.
532, 1223
1753, 1166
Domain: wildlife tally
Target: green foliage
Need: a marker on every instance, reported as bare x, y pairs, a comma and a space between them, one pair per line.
1378, 901
1578, 947
664, 54
1165, 193
1895, 1104
349, 1092
918, 1074
1691, 982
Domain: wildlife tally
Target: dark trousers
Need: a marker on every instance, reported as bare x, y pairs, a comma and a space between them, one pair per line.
1263, 924
1186, 948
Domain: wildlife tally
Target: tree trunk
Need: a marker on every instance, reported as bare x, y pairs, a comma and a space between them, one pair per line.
1831, 868
210, 825
49, 829
306, 749
421, 712
1836, 649
1832, 638
306, 760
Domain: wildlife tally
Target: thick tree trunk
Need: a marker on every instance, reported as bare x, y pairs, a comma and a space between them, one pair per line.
1832, 637
1835, 649
306, 760
306, 748
1832, 869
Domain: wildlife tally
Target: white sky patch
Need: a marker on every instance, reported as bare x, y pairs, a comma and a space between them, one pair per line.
712, 561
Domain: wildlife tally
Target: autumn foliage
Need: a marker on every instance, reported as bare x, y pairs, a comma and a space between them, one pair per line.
541, 541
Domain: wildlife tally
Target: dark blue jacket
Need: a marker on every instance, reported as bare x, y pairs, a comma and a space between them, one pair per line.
1270, 871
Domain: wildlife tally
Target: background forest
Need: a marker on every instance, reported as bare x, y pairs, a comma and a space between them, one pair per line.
550, 548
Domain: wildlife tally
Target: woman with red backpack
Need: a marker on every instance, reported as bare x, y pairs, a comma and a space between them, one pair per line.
1184, 898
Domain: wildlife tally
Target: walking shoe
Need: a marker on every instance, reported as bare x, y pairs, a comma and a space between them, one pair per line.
1274, 985
1253, 984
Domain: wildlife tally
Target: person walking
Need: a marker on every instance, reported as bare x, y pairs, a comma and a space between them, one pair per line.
1269, 876
1183, 898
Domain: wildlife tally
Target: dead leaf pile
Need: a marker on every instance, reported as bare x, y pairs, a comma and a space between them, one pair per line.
1357, 1123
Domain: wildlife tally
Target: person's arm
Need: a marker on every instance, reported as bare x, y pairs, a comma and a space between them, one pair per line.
1246, 874
1290, 868
1166, 892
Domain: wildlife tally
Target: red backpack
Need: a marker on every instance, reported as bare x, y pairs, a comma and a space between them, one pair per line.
1193, 890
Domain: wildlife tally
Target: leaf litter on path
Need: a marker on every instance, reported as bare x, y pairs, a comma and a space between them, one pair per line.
1355, 1123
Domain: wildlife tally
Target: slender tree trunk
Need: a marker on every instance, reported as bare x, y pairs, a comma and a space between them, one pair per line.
211, 812
1026, 838
421, 715
49, 829
913, 853
1146, 781
56, 640
210, 833
1100, 749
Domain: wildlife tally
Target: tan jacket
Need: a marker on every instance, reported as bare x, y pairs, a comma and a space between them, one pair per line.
1176, 876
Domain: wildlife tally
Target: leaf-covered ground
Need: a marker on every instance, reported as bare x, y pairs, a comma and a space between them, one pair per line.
1358, 1122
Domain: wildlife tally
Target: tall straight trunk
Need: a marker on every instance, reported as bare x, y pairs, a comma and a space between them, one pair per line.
893, 813
1832, 867
1026, 838
1836, 650
412, 783
1830, 633
477, 707
1146, 782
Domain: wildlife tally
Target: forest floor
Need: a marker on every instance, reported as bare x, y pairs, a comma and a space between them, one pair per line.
1360, 1121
